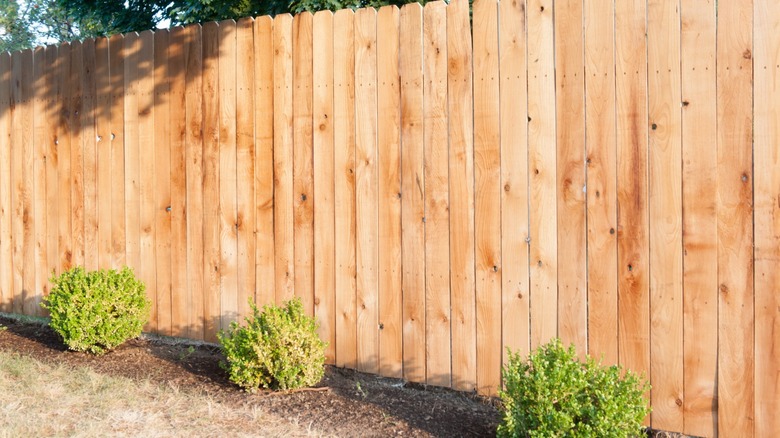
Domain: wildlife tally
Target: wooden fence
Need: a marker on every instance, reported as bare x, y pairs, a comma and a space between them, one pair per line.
603, 171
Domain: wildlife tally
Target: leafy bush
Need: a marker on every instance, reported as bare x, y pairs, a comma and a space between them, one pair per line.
98, 310
277, 349
553, 393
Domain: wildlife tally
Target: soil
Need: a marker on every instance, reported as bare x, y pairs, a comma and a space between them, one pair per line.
348, 403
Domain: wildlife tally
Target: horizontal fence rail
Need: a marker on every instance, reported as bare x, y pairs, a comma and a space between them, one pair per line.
437, 184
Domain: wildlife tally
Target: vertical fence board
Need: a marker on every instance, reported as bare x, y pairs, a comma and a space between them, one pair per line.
410, 67
177, 202
116, 59
64, 236
389, 159
542, 172
735, 219
264, 160
631, 102
211, 195
39, 101
570, 138
767, 216
283, 158
89, 250
6, 247
228, 233
324, 215
344, 174
51, 202
103, 147
700, 233
17, 175
366, 190
303, 182
164, 128
437, 250
245, 164
194, 180
132, 47
601, 190
27, 186
665, 214
461, 187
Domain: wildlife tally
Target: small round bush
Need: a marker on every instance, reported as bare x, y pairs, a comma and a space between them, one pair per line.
98, 310
553, 393
278, 349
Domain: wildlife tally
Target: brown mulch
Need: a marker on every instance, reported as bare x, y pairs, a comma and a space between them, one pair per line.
354, 404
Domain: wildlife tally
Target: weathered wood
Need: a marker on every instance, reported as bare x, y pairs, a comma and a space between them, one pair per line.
103, 148
64, 238
89, 251
17, 207
26, 188
39, 101
6, 244
116, 138
344, 173
461, 202
132, 44
165, 130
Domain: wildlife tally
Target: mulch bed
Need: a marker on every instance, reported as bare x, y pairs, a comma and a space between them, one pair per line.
354, 404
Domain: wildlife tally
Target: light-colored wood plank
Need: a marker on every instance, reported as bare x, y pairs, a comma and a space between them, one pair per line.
461, 168
665, 214
164, 130
6, 245
542, 172
27, 185
436, 219
283, 158
193, 65
245, 164
600, 143
39, 103
389, 190
17, 180
366, 190
303, 181
228, 233
700, 233
570, 138
487, 203
89, 251
116, 47
767, 216
64, 237
324, 182
175, 212
344, 185
132, 44
146, 173
264, 160
211, 152
410, 66
633, 274
736, 415
51, 204
103, 147
515, 290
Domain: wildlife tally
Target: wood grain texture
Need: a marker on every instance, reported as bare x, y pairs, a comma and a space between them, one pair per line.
40, 90
766, 164
410, 66
344, 185
437, 237
264, 160
27, 298
389, 193
64, 236
103, 150
196, 292
89, 252
211, 172
17, 175
116, 58
245, 165
283, 158
600, 142
303, 161
736, 382
54, 103
6, 244
132, 44
166, 132
700, 233
632, 231
228, 219
366, 246
542, 172
571, 189
461, 170
324, 188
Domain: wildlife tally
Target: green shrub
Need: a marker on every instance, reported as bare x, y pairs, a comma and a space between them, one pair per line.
98, 310
277, 349
553, 393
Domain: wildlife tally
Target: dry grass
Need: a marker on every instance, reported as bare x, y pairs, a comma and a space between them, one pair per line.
40, 399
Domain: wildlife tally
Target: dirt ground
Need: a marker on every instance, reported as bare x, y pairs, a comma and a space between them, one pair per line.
348, 404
